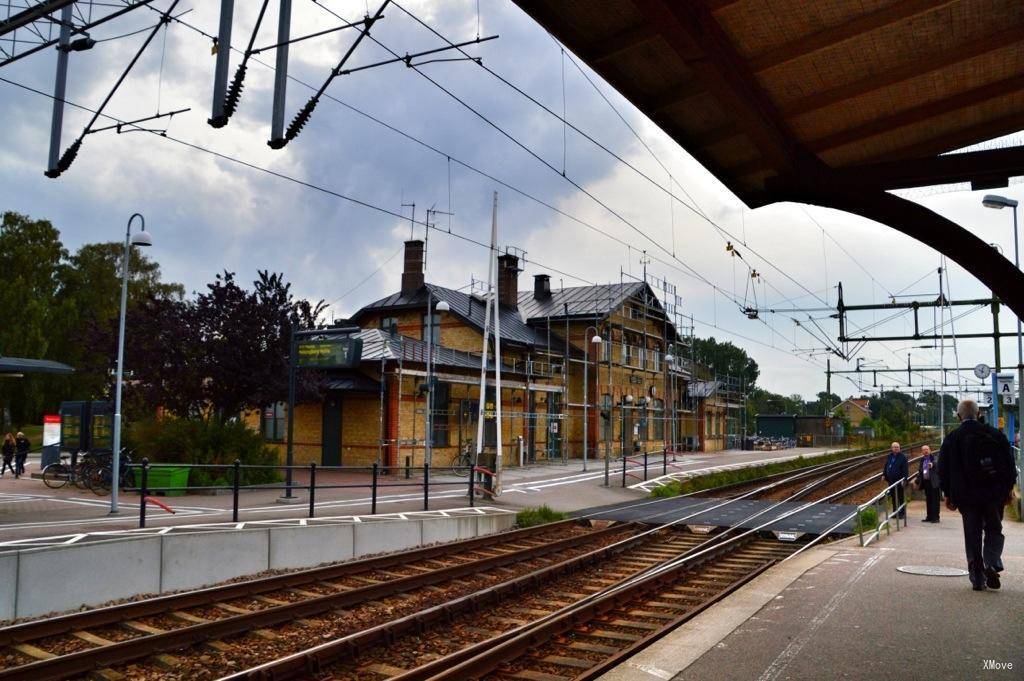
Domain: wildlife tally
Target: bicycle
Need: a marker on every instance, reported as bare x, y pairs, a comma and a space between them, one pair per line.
58, 474
462, 461
99, 476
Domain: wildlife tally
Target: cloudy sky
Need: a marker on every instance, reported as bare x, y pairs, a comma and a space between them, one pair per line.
390, 136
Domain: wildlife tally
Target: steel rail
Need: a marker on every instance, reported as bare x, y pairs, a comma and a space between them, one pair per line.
86, 660
315, 659
28, 631
484, 656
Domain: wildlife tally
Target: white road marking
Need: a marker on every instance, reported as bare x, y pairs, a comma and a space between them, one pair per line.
780, 663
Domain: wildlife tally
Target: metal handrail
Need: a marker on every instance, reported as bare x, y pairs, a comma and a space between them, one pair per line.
1019, 461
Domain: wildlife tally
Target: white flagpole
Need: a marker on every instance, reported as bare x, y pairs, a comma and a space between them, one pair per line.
483, 355
497, 348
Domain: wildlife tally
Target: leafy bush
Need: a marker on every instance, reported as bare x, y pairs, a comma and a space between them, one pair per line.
667, 489
866, 520
529, 517
719, 478
195, 441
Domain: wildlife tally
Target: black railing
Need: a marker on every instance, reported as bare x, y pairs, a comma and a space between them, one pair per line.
237, 469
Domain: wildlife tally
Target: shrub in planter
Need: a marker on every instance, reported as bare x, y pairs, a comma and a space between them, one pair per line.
196, 441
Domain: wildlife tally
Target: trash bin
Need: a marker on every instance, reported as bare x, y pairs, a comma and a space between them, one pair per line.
170, 476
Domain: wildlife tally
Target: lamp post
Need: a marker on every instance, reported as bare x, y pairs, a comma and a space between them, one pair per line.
610, 429
428, 442
1000, 202
595, 340
140, 238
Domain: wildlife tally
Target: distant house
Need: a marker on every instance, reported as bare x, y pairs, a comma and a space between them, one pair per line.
854, 410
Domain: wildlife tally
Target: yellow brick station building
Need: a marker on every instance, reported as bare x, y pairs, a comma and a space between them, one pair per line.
634, 382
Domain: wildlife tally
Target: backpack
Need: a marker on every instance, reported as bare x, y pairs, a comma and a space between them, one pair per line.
984, 458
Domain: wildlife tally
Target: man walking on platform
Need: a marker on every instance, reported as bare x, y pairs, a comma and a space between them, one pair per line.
896, 468
977, 475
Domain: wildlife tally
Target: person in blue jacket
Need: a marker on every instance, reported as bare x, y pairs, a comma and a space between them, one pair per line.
896, 469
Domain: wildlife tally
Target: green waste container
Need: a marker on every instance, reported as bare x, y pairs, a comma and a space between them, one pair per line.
160, 476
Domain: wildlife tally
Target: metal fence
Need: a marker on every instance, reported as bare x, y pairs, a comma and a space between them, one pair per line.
235, 471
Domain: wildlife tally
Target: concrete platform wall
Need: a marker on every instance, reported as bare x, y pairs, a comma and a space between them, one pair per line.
56, 579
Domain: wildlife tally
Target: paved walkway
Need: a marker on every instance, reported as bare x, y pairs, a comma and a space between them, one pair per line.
30, 509
843, 612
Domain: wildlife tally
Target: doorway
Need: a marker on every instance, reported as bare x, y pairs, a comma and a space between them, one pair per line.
331, 454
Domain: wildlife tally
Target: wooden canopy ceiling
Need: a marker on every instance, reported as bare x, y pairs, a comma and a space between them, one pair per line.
822, 101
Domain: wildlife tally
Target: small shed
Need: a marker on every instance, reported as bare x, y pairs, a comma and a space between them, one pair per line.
776, 425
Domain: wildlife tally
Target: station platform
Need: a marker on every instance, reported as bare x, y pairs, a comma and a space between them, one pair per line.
791, 517
846, 612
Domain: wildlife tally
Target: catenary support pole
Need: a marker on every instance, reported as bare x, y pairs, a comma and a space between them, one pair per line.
284, 22
59, 87
220, 73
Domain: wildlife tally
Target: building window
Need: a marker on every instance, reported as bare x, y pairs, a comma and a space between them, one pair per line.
606, 417
628, 354
435, 329
659, 419
606, 348
439, 415
643, 432
389, 325
272, 422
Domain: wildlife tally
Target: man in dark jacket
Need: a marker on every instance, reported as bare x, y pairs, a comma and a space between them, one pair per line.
896, 468
977, 474
928, 481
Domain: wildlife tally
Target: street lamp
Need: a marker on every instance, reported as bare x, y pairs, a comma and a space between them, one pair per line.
428, 446
595, 340
140, 238
670, 361
1000, 202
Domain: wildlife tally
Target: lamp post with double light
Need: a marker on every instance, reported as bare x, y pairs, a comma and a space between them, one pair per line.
999, 202
442, 306
140, 238
594, 340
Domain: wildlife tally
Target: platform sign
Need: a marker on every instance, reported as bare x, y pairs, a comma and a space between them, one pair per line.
51, 440
1004, 388
339, 353
51, 429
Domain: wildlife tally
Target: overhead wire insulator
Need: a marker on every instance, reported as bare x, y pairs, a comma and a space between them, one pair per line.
300, 119
234, 92
66, 159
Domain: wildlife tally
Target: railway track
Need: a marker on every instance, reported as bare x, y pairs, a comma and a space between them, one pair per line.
81, 643
590, 596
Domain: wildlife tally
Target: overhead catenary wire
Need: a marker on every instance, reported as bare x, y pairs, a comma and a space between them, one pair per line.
696, 210
685, 269
691, 273
376, 208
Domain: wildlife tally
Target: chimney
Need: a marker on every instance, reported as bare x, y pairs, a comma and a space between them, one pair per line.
412, 275
541, 286
508, 280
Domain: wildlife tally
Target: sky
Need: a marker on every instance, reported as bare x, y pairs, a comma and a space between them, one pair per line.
447, 136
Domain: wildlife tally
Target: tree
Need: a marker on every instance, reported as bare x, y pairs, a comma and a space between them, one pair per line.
825, 404
88, 306
30, 253
725, 359
222, 354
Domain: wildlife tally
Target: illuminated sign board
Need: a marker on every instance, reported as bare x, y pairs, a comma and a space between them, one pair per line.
338, 353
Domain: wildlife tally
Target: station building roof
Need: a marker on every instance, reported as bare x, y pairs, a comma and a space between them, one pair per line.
470, 309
